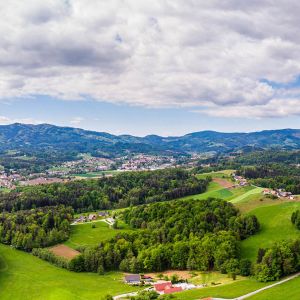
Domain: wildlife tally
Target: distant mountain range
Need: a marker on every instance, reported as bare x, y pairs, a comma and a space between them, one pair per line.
47, 138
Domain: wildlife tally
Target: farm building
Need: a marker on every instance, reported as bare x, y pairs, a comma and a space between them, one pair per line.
133, 279
160, 287
103, 214
92, 217
167, 288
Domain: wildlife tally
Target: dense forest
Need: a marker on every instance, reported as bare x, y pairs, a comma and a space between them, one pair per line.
195, 235
40, 227
281, 259
123, 190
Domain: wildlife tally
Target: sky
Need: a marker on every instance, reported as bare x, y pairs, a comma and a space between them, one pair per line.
165, 67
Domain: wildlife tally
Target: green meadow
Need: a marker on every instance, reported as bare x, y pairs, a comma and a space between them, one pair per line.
86, 235
289, 290
25, 277
214, 190
275, 226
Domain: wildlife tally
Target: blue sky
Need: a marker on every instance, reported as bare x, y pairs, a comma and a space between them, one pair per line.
122, 119
139, 67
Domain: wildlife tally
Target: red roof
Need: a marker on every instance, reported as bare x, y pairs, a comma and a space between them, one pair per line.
173, 289
160, 287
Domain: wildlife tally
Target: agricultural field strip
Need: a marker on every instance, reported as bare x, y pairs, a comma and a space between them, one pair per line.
256, 190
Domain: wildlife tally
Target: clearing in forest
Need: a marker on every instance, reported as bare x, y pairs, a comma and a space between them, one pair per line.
64, 251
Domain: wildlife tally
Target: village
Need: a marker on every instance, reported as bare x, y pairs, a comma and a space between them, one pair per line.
67, 171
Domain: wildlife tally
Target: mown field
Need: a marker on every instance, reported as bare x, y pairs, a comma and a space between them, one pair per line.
23, 276
85, 235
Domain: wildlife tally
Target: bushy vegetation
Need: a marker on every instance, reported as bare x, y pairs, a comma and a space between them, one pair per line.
123, 190
281, 259
295, 218
40, 227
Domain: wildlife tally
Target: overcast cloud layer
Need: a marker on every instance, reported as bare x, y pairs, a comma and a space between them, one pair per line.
222, 58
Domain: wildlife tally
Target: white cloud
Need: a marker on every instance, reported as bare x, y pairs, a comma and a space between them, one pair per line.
76, 121
5, 120
208, 55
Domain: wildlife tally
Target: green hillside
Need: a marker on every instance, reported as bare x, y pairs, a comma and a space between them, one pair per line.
290, 290
23, 276
275, 226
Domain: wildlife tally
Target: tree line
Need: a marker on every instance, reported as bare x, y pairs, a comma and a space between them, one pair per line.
281, 259
123, 190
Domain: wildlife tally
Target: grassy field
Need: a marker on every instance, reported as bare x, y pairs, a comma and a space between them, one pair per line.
275, 226
289, 290
218, 174
96, 174
213, 278
85, 235
226, 291
23, 276
250, 192
214, 190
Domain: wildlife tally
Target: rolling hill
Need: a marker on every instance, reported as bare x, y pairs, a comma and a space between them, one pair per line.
49, 138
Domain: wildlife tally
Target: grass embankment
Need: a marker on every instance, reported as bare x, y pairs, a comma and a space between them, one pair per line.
23, 276
275, 220
85, 235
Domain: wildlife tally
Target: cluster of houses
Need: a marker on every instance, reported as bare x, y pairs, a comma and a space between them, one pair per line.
9, 180
93, 217
145, 162
161, 287
85, 165
280, 193
240, 180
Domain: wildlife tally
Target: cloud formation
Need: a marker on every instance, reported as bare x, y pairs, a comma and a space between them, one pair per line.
223, 58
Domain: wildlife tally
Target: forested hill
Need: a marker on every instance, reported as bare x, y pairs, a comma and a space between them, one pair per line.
43, 139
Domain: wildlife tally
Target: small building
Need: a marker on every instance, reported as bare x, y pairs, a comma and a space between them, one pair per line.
133, 279
160, 287
173, 289
146, 278
103, 214
92, 217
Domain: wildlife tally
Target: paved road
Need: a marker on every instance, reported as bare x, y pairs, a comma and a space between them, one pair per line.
267, 287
